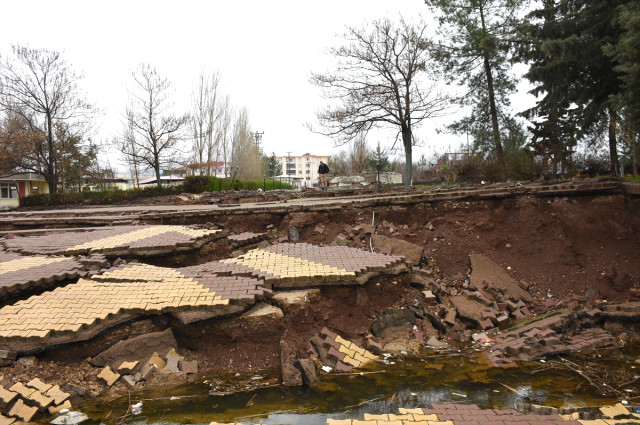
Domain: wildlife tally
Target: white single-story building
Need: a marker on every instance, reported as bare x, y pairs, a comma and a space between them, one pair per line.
16, 186
296, 182
170, 180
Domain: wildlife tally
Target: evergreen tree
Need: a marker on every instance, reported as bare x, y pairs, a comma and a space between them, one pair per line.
475, 53
271, 166
564, 43
379, 162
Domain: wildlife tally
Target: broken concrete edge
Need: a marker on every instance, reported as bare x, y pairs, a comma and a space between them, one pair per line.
547, 337
35, 345
31, 346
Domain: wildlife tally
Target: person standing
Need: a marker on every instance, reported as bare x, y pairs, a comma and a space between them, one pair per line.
323, 170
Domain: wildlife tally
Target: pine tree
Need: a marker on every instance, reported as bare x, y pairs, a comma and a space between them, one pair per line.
475, 52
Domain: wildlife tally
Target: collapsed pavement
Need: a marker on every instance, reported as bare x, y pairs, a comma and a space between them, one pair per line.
423, 304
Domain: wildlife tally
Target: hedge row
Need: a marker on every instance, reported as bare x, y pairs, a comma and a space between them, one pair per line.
192, 184
199, 184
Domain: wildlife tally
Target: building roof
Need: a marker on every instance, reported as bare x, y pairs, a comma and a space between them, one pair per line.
162, 178
23, 177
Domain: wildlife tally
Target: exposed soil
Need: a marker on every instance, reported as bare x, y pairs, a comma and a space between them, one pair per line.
559, 246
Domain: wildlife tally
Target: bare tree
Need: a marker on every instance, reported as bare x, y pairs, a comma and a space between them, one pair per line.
39, 90
204, 116
158, 132
359, 154
223, 135
380, 80
245, 152
127, 145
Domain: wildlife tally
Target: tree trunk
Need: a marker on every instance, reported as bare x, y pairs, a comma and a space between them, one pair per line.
51, 174
634, 153
156, 166
613, 149
492, 98
408, 166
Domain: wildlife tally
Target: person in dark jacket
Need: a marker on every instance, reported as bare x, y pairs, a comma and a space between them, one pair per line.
323, 170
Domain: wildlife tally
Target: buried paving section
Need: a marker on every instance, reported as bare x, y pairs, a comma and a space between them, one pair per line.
115, 241
471, 414
81, 310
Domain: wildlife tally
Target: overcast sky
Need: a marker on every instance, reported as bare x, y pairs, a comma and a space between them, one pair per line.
264, 51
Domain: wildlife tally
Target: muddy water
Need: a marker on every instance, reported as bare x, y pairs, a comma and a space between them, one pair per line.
409, 381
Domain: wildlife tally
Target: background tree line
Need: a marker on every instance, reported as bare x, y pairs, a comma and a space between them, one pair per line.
582, 64
46, 125
583, 67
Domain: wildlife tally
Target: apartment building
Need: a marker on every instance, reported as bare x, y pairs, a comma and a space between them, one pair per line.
302, 166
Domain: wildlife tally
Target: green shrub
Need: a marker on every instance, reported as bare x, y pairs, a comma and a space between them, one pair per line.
192, 184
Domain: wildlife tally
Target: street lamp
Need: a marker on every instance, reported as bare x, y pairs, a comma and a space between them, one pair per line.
234, 175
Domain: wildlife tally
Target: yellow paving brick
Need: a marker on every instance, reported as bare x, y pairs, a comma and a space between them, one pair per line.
357, 349
423, 417
371, 417
350, 360
370, 356
613, 411
361, 358
339, 422
344, 342
347, 351
403, 417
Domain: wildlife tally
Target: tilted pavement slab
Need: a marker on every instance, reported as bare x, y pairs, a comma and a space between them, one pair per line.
27, 273
79, 311
305, 265
115, 241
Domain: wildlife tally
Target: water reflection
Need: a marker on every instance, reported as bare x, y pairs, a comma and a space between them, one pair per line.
453, 377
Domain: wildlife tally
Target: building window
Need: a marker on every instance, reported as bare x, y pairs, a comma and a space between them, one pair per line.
8, 191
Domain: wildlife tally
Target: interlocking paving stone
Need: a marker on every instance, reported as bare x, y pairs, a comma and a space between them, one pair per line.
349, 354
39, 385
40, 399
117, 240
22, 411
54, 410
57, 394
108, 376
6, 421
287, 265
19, 273
6, 396
246, 238
451, 414
130, 290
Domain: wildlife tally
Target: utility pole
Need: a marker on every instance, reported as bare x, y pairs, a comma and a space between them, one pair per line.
258, 136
